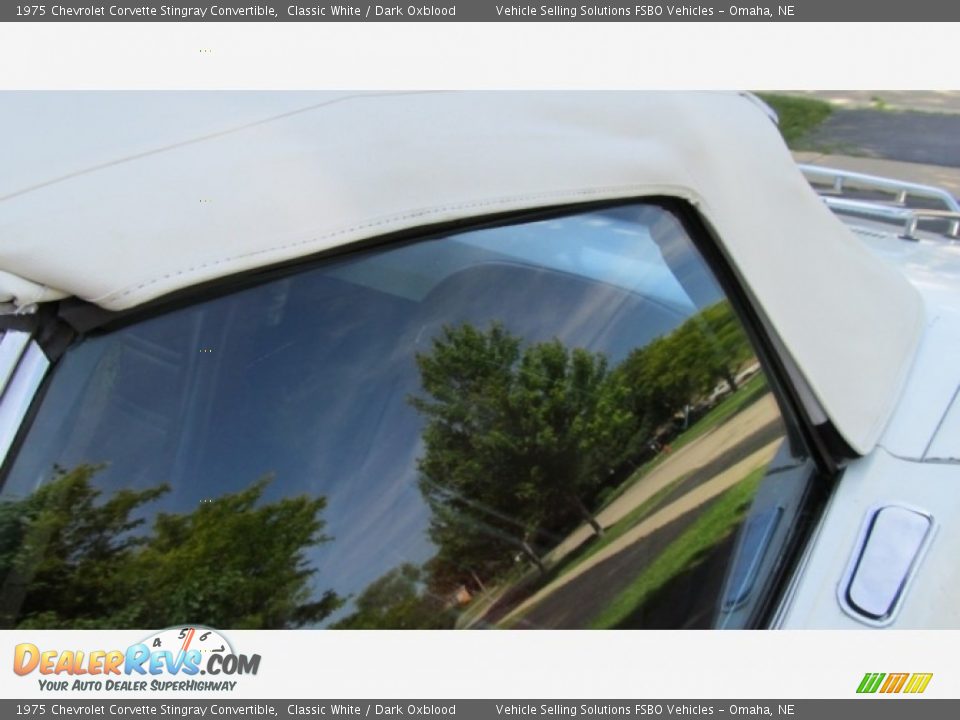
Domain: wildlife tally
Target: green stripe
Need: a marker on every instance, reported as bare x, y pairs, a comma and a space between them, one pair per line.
876, 684
871, 682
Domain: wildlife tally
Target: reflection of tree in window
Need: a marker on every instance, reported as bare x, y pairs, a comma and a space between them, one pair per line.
521, 442
571, 374
517, 441
73, 559
677, 369
399, 600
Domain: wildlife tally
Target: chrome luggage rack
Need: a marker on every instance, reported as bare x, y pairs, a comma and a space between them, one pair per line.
834, 186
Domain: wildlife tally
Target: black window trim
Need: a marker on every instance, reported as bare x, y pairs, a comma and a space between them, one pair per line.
57, 326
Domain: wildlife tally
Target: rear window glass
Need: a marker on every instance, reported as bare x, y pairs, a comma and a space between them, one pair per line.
552, 424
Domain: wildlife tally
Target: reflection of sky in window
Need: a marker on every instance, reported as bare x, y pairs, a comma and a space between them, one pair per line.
594, 245
309, 377
598, 246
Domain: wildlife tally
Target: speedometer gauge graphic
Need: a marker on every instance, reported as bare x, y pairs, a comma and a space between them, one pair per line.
189, 637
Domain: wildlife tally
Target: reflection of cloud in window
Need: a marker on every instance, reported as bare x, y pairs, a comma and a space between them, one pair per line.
595, 221
312, 373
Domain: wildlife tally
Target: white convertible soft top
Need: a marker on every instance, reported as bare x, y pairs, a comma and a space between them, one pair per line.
119, 198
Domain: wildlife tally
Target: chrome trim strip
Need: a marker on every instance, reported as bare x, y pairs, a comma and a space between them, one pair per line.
838, 179
19, 394
910, 217
781, 615
894, 540
12, 345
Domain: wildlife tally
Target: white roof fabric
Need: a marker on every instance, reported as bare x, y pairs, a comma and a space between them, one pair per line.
119, 198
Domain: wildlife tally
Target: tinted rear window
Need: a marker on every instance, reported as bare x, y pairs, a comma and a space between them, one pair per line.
555, 424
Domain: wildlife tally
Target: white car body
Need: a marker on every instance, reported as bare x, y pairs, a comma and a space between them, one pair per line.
917, 460
867, 328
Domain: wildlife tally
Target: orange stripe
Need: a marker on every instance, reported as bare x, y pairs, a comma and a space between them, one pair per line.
186, 641
894, 682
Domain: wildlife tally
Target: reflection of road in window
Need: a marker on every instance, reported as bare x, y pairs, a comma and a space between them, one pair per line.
560, 423
661, 528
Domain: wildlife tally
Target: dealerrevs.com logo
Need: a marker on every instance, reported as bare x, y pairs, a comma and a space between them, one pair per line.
171, 659
892, 683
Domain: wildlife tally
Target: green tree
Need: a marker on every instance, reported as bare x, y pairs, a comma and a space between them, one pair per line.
65, 556
730, 347
235, 562
399, 600
472, 549
570, 428
520, 441
662, 378
517, 442
71, 558
676, 369
467, 473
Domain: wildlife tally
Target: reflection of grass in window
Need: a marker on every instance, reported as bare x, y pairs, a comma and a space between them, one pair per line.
592, 546
483, 601
684, 552
619, 528
747, 394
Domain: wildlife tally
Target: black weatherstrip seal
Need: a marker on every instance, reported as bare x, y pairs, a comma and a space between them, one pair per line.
828, 448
